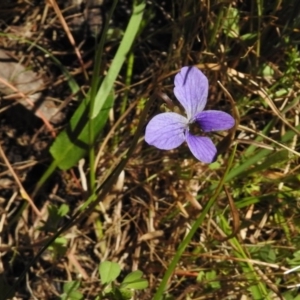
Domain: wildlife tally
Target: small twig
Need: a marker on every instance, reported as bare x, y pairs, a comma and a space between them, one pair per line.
30, 102
69, 35
241, 127
74, 261
2, 222
262, 93
23, 192
82, 174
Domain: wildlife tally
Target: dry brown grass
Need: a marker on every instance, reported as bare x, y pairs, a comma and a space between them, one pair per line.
158, 195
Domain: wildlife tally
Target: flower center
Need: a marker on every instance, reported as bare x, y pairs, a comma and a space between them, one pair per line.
195, 129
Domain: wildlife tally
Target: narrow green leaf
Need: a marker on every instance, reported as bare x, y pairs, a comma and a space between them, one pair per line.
123, 294
231, 23
72, 143
138, 284
133, 276
124, 48
71, 291
63, 210
267, 254
134, 281
109, 271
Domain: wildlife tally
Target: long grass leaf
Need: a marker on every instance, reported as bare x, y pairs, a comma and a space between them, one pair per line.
124, 48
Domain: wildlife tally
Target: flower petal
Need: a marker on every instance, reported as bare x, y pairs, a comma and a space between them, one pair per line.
201, 147
191, 88
166, 131
214, 120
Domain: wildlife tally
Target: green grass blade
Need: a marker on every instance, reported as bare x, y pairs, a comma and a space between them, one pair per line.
125, 46
92, 94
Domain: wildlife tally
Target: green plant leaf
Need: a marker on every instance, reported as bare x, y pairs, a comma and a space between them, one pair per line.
109, 271
231, 23
71, 291
59, 247
72, 143
267, 254
55, 215
125, 294
138, 284
63, 210
134, 281
248, 36
211, 276
133, 276
125, 46
295, 261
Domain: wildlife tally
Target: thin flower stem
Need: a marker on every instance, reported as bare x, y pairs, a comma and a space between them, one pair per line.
23, 192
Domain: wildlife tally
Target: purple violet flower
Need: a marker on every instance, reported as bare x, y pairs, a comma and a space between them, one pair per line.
169, 130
